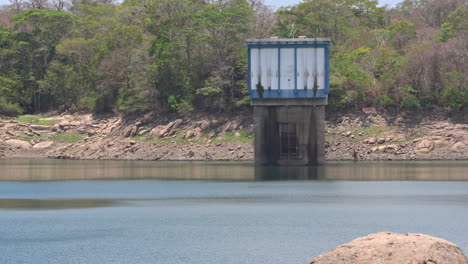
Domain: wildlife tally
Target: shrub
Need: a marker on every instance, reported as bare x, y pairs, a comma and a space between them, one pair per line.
9, 109
172, 103
410, 102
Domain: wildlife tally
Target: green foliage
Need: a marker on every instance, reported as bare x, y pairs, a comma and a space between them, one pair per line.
187, 56
129, 101
172, 103
410, 101
401, 33
457, 24
245, 101
209, 89
386, 101
9, 109
329, 18
456, 93
349, 84
86, 103
9, 104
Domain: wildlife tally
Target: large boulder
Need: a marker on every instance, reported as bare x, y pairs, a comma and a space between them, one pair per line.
195, 133
43, 145
371, 140
170, 128
425, 146
18, 144
392, 248
459, 147
130, 131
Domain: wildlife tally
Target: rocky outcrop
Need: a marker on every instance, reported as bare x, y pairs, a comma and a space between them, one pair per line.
169, 137
425, 146
123, 148
392, 248
43, 145
18, 144
459, 147
2, 148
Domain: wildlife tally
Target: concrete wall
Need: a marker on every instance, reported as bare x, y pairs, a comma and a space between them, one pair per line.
309, 122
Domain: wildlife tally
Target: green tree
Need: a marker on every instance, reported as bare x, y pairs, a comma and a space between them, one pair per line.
226, 24
9, 97
44, 30
457, 24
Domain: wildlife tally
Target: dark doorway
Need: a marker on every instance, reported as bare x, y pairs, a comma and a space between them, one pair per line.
289, 144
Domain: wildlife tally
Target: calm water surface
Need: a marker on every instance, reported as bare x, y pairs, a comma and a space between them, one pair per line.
237, 214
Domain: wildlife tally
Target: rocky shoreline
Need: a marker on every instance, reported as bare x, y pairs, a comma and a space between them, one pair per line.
367, 136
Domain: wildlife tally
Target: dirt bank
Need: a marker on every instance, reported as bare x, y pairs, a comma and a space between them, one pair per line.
363, 136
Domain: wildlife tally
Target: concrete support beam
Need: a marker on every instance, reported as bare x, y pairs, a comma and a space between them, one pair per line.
289, 101
289, 135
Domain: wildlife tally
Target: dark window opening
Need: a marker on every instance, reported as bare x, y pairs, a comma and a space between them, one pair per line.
288, 139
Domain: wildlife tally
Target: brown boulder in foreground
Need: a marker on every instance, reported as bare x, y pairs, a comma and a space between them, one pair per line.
392, 248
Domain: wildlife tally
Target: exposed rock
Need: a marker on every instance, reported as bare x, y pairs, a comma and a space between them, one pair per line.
198, 135
205, 124
346, 134
379, 149
392, 248
211, 135
75, 123
460, 126
425, 146
64, 124
130, 131
43, 145
380, 140
143, 132
154, 133
385, 148
230, 126
171, 127
190, 134
449, 141
459, 147
18, 144
41, 127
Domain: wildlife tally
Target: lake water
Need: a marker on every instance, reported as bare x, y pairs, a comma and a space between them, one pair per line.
221, 212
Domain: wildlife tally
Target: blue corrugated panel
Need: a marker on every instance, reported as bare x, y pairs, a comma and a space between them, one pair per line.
290, 93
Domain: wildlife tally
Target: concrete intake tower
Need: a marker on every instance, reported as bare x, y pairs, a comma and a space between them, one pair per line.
288, 83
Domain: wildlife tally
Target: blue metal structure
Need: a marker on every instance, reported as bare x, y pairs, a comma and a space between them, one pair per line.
288, 68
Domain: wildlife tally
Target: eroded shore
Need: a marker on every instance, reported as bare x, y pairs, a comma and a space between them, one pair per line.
367, 136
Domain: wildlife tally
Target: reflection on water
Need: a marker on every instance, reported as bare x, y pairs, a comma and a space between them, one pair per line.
252, 218
39, 204
370, 171
52, 170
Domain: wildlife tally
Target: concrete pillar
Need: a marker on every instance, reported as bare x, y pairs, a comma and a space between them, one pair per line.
289, 135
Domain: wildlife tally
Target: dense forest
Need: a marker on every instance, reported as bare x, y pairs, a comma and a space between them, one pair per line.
187, 55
